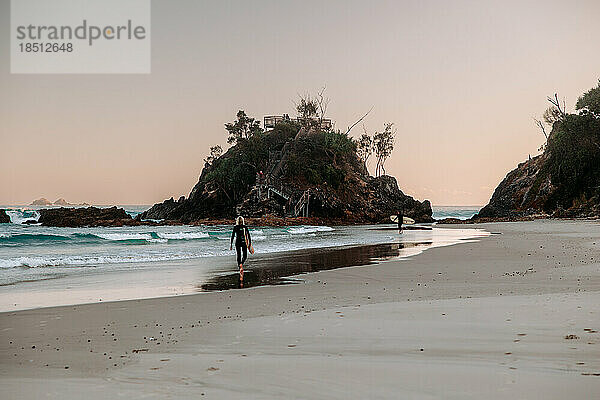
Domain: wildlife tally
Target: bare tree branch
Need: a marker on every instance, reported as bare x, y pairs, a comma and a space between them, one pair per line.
556, 103
322, 103
358, 122
540, 124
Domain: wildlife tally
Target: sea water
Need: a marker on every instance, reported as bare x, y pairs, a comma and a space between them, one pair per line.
458, 212
34, 257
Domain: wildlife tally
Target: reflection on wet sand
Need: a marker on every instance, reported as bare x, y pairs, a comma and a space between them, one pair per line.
273, 269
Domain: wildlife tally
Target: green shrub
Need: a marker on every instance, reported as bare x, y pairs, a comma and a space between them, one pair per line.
574, 159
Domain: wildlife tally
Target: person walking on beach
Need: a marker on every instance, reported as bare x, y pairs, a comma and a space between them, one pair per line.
241, 234
400, 220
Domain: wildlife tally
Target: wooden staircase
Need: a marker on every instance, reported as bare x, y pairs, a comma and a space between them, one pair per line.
273, 185
280, 193
301, 207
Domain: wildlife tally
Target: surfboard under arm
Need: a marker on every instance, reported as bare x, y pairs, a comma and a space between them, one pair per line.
405, 220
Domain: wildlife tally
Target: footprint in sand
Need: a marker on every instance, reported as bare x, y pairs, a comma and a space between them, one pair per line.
571, 337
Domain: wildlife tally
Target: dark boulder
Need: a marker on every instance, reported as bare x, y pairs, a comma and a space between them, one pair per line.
387, 199
4, 218
90, 216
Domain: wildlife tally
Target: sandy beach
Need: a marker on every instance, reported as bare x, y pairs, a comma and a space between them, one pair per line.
513, 315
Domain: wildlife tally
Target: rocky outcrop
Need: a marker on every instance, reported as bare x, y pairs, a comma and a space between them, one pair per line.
91, 216
529, 191
59, 202
388, 199
4, 218
41, 202
295, 164
62, 202
564, 181
522, 192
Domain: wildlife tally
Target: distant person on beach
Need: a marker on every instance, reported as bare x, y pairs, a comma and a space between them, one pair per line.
241, 234
400, 220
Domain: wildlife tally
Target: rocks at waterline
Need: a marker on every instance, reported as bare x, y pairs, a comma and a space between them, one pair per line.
90, 216
4, 218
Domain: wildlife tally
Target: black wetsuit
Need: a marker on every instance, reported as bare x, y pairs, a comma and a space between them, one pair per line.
400, 220
240, 242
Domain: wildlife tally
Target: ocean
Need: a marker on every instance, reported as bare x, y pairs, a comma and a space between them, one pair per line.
34, 257
458, 212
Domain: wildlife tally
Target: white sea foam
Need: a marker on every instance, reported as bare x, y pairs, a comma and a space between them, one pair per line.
157, 221
82, 261
159, 240
183, 235
18, 216
124, 236
309, 229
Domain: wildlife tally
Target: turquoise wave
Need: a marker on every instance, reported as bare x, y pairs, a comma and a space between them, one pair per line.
27, 239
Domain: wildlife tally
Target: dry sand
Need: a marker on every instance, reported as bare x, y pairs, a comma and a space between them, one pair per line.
489, 319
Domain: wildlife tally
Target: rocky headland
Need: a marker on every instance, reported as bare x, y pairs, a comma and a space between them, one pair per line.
291, 173
564, 180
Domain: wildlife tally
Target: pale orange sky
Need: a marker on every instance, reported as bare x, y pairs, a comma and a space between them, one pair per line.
461, 80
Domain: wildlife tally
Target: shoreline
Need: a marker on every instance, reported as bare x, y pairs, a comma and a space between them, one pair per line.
188, 276
546, 274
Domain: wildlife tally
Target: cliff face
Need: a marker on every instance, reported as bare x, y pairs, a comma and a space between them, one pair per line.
287, 172
564, 181
516, 195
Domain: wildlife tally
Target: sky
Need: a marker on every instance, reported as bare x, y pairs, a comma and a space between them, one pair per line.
461, 81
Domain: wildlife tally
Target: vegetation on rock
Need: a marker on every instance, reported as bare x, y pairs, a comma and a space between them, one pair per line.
565, 179
299, 164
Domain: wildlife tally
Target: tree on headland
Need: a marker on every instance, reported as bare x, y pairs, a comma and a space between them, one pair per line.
572, 152
242, 128
311, 109
558, 110
383, 143
322, 103
307, 108
553, 114
364, 146
589, 102
215, 152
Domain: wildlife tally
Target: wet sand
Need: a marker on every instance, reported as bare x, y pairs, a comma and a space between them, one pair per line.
181, 277
287, 268
485, 319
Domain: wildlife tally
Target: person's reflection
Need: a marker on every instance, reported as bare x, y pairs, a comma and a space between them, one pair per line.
274, 269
